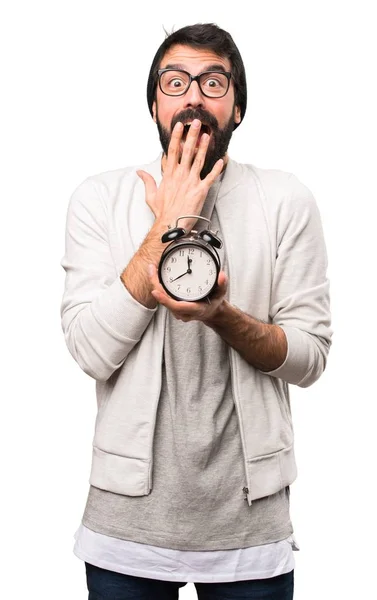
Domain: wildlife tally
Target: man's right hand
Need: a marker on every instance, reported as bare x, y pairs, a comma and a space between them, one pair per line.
181, 191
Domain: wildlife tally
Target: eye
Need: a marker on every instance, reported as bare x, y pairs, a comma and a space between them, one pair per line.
173, 81
176, 83
214, 81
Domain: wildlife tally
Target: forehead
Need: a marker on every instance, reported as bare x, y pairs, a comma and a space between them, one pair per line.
193, 59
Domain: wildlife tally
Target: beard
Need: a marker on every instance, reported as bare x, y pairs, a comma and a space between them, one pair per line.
219, 140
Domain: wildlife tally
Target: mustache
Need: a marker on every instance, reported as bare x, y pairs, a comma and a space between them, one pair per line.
196, 113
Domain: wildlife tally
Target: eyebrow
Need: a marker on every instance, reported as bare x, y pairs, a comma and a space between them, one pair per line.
212, 67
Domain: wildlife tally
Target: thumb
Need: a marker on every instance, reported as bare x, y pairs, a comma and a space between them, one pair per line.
222, 280
150, 188
222, 286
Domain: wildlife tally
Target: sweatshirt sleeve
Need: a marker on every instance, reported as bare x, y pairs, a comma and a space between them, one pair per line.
100, 319
300, 302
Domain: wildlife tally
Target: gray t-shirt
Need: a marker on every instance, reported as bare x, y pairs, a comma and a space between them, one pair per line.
197, 502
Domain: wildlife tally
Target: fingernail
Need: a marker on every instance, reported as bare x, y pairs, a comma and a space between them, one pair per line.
195, 123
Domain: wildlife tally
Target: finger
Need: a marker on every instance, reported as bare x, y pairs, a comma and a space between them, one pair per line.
184, 311
150, 188
160, 295
221, 288
200, 157
190, 144
184, 318
216, 170
174, 147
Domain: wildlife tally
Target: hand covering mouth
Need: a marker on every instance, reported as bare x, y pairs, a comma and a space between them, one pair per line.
204, 129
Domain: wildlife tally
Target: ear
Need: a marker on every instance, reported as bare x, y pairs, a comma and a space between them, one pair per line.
154, 111
237, 114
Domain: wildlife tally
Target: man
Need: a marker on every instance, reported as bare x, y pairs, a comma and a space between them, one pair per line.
193, 448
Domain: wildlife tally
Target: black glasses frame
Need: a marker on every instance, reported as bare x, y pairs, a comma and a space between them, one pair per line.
192, 78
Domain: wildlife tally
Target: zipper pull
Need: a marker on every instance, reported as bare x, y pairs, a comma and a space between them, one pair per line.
245, 491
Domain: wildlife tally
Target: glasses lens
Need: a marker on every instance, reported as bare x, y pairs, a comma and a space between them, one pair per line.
214, 84
174, 83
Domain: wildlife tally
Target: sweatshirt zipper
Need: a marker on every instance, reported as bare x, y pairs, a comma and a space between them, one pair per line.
246, 488
151, 463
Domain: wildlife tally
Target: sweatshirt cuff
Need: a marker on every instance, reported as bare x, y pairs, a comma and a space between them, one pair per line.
297, 361
118, 311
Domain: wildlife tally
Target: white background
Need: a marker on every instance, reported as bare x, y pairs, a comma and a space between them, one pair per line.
74, 104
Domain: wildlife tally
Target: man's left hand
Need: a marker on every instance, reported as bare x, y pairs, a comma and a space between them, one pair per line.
190, 311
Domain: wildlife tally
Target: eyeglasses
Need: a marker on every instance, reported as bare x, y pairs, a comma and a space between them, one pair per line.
213, 84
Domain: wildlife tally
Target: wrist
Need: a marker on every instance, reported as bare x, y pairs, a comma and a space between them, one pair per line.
156, 231
218, 315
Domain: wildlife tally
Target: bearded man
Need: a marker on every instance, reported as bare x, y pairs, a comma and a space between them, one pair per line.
193, 453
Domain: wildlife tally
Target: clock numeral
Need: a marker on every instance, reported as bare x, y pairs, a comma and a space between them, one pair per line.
171, 279
201, 254
200, 289
168, 269
179, 286
173, 260
191, 250
210, 272
208, 261
188, 290
181, 253
206, 282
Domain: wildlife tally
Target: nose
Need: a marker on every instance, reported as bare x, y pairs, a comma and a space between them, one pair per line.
193, 96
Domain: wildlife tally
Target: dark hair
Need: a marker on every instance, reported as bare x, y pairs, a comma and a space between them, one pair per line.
203, 35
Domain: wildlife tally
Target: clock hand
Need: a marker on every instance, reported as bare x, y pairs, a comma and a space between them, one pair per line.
189, 261
179, 276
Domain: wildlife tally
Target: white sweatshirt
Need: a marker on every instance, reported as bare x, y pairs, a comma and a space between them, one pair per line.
277, 264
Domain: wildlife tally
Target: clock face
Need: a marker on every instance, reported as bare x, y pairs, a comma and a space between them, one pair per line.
188, 272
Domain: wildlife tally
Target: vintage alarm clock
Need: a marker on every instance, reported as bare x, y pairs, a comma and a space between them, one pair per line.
190, 265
